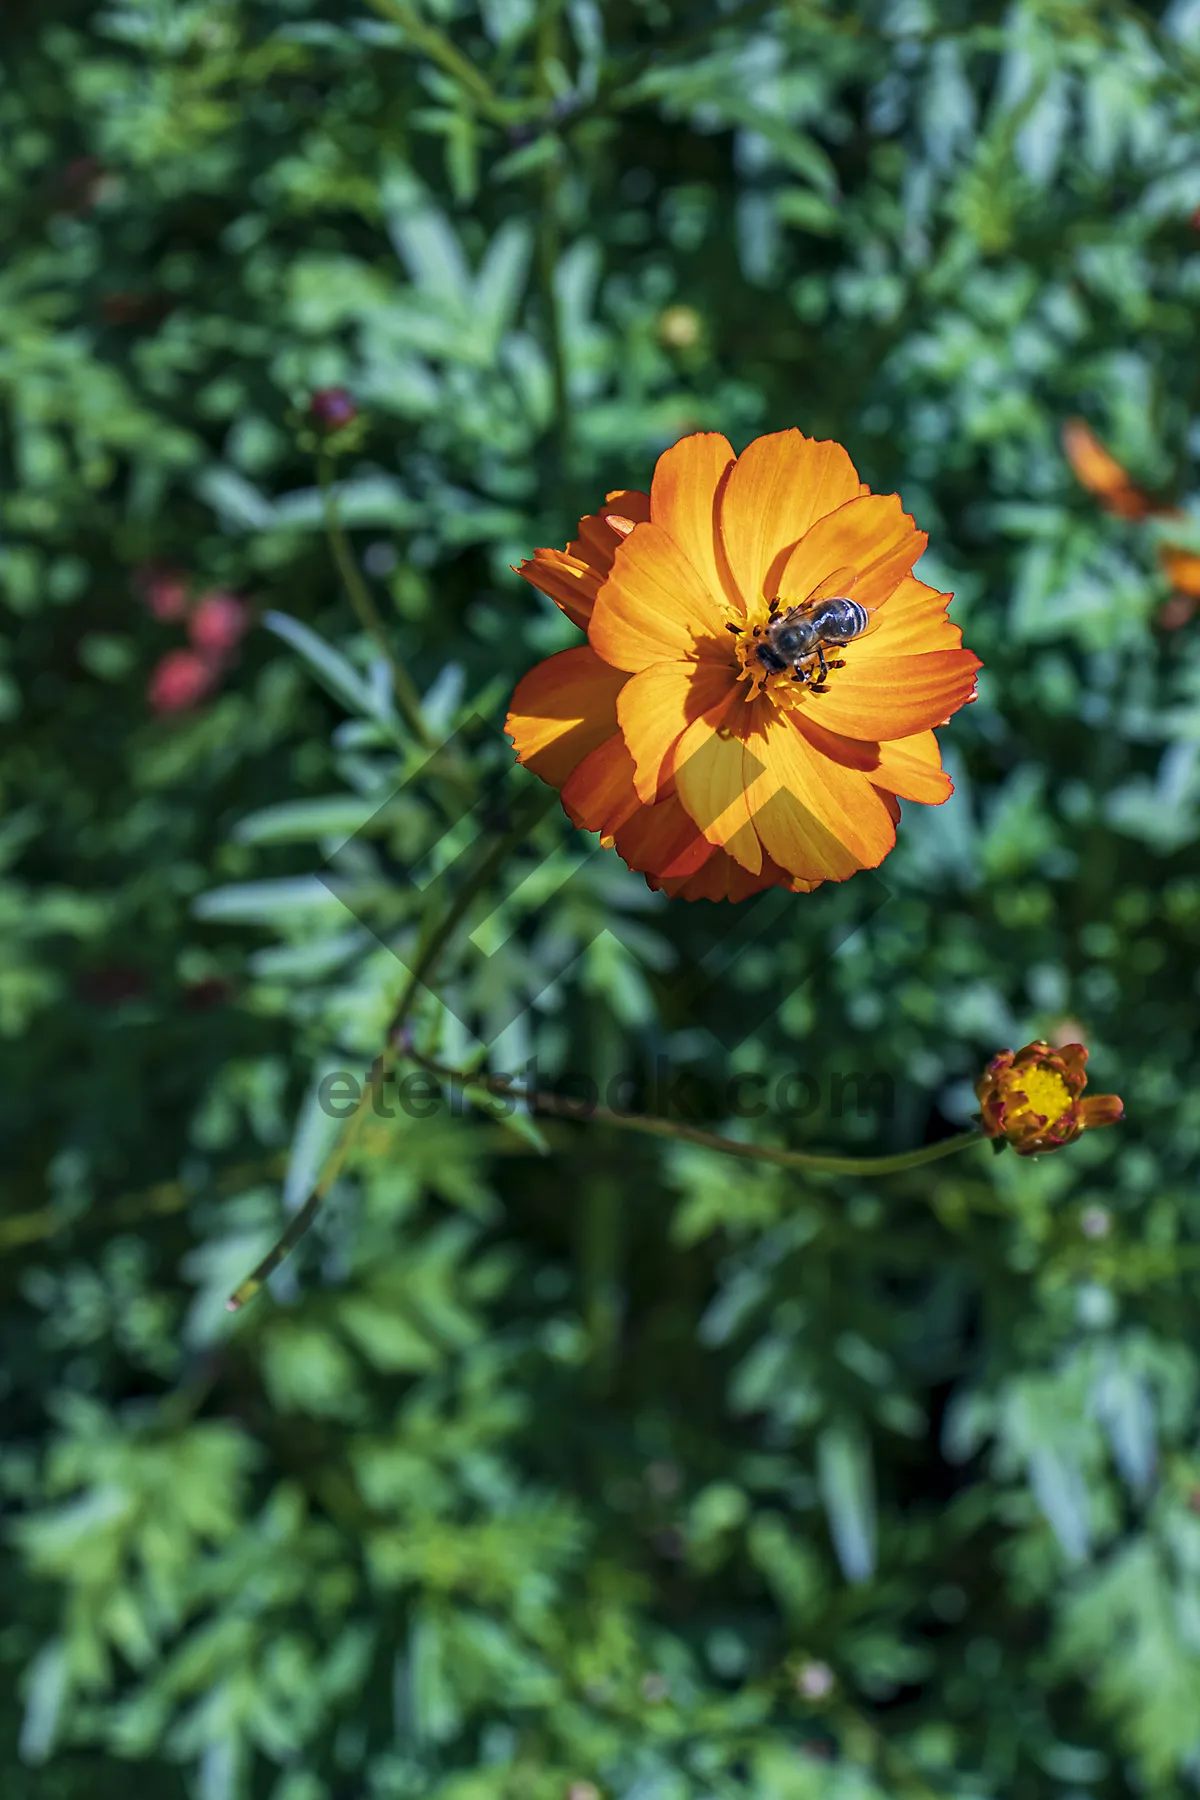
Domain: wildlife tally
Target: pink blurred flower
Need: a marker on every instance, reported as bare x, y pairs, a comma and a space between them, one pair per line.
163, 587
218, 624
179, 680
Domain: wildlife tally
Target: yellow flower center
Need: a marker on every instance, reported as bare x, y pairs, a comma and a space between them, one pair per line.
1046, 1092
767, 661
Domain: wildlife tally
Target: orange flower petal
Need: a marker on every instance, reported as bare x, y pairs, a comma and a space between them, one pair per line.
685, 500
1101, 474
655, 608
662, 841
780, 486
882, 703
562, 710
710, 779
816, 818
600, 795
572, 577
912, 768
913, 621
1182, 570
871, 534
1101, 1109
656, 707
905, 674
722, 878
852, 753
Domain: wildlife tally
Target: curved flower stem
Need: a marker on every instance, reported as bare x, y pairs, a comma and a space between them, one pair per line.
395, 1040
813, 1160
407, 697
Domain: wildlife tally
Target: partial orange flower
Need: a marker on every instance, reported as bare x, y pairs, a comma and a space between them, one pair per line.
1101, 474
1030, 1098
1182, 570
714, 767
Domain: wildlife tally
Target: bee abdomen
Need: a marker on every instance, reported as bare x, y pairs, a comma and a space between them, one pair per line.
838, 620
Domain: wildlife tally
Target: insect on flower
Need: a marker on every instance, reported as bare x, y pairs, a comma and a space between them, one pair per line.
762, 671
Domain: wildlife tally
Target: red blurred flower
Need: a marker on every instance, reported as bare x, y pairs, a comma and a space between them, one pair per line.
212, 990
163, 588
1030, 1098
218, 624
125, 307
1176, 612
332, 409
180, 680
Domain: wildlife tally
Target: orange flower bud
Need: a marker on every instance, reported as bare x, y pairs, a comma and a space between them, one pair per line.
1031, 1098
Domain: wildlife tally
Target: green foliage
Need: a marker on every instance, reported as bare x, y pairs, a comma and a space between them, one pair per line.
559, 1463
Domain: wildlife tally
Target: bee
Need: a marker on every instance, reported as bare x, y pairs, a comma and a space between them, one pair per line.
798, 638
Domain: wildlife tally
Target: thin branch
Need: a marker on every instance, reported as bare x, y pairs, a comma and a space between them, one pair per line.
817, 1162
407, 697
529, 810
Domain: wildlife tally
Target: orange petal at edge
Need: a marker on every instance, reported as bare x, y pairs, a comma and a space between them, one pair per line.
685, 497
780, 486
562, 710
572, 577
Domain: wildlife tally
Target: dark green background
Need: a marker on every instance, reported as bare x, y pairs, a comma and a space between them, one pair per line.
616, 1464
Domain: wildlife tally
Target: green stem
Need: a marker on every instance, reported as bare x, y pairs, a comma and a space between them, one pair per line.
815, 1161
439, 49
407, 697
301, 1221
532, 807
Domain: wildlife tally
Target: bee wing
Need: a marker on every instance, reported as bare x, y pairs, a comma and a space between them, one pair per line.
840, 586
834, 587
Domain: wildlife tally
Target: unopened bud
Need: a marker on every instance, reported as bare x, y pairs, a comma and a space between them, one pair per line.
332, 409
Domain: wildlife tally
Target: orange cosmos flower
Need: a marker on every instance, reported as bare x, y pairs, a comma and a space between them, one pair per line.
712, 772
1030, 1098
1102, 475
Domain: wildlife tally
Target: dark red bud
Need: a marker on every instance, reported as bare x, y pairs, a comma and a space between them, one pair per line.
332, 409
